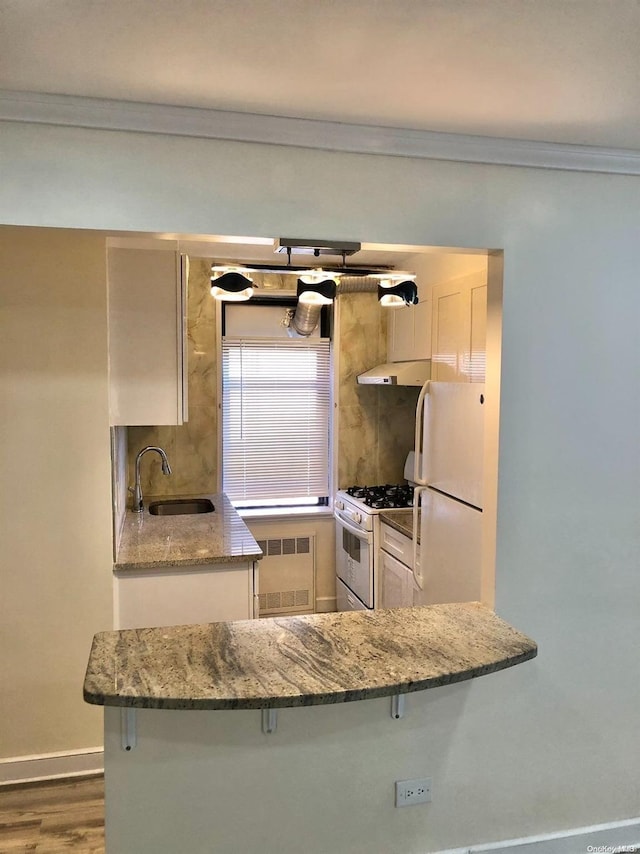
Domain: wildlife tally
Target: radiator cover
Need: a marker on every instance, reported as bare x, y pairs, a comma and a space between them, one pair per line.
287, 576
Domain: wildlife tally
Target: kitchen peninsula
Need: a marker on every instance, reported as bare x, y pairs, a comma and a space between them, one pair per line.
177, 786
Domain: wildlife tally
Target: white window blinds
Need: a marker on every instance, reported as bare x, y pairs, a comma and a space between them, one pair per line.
275, 418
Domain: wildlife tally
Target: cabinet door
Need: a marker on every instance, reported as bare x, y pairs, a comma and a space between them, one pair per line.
172, 597
401, 333
396, 588
478, 348
459, 329
409, 335
147, 340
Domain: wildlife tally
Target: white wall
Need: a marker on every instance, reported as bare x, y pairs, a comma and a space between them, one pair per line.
55, 515
554, 742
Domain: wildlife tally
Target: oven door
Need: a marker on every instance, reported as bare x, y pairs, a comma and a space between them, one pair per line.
354, 559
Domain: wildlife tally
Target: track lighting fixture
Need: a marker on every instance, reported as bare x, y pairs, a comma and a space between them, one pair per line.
402, 293
317, 293
231, 287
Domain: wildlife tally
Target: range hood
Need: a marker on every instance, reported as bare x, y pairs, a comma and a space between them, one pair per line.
398, 373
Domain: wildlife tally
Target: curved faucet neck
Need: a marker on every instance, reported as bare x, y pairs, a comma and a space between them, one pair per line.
138, 503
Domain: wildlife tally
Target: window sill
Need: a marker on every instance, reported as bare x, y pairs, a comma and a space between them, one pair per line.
267, 513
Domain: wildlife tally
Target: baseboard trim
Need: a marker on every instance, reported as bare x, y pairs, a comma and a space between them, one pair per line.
610, 837
51, 766
325, 604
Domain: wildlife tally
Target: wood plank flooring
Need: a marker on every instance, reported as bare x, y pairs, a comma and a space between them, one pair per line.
54, 817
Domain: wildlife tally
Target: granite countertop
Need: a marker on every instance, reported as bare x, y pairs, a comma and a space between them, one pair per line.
401, 520
149, 542
301, 661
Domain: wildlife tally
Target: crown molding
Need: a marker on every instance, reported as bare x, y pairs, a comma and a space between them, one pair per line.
72, 111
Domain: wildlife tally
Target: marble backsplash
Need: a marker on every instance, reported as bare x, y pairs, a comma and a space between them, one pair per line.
375, 424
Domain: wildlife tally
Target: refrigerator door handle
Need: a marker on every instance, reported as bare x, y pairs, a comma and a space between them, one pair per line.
417, 500
418, 461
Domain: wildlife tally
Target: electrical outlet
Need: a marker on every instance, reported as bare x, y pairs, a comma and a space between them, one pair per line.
409, 792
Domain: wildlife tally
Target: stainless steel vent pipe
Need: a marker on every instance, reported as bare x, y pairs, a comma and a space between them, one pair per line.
307, 317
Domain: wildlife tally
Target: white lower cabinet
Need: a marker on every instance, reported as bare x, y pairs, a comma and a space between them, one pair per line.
395, 558
171, 596
397, 583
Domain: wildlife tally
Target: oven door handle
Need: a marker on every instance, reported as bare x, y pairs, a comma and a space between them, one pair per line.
357, 532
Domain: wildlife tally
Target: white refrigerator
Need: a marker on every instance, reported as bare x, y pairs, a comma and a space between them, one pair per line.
448, 471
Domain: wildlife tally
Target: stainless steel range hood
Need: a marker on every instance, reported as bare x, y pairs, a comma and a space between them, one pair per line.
398, 373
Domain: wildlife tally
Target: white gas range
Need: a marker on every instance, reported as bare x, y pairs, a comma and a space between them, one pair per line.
357, 511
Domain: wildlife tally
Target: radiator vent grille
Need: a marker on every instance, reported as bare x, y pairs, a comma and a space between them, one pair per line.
286, 546
283, 600
286, 576
301, 598
274, 547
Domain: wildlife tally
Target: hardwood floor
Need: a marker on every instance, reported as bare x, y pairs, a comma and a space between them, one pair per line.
53, 817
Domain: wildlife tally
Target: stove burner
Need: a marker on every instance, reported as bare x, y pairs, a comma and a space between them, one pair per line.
357, 491
383, 497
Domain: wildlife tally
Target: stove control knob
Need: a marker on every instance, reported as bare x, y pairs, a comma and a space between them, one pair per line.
357, 517
340, 505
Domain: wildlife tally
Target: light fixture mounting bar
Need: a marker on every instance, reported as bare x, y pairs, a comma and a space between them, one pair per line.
296, 246
250, 267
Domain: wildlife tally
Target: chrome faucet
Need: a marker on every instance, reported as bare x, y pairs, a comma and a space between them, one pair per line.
138, 505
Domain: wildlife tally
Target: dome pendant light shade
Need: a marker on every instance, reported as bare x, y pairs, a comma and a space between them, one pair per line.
231, 287
404, 293
317, 293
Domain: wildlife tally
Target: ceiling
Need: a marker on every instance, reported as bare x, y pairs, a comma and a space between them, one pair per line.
262, 250
551, 70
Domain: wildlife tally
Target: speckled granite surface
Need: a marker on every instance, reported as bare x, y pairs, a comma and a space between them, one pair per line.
301, 661
149, 542
401, 520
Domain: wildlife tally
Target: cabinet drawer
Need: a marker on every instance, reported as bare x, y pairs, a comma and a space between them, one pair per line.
396, 544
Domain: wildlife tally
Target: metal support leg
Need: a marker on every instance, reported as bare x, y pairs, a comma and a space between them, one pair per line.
269, 720
128, 728
397, 706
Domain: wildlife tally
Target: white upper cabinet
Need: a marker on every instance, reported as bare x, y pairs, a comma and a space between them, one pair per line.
459, 326
409, 335
147, 293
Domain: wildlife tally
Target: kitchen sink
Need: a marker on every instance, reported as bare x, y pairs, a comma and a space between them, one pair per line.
181, 507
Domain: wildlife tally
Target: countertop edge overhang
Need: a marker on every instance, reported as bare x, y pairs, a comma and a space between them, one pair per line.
321, 659
401, 520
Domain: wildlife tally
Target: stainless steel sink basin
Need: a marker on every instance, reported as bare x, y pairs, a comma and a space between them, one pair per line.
181, 507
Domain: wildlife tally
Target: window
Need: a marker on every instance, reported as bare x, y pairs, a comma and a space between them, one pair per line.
275, 421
